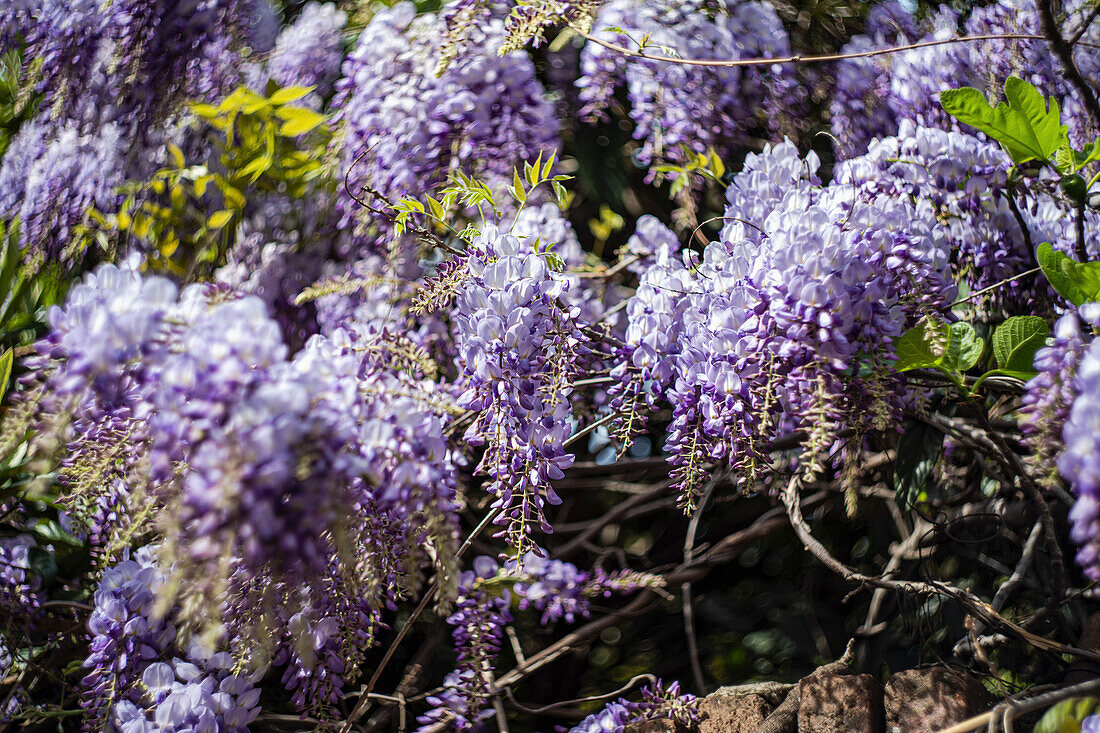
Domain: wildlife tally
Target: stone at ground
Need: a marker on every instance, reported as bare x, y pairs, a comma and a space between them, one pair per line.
740, 709
837, 703
928, 700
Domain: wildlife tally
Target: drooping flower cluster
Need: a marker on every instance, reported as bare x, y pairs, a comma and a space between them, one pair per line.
517, 345
478, 622
556, 589
309, 482
1081, 433
1051, 393
406, 129
140, 679
857, 109
959, 183
20, 585
787, 322
114, 78
562, 591
676, 107
310, 52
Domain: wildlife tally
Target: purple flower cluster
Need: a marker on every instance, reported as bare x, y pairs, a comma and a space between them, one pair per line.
114, 78
561, 590
785, 323
659, 702
311, 51
644, 368
406, 128
1081, 431
140, 680
676, 107
517, 346
959, 184
326, 472
478, 622
1051, 393
20, 585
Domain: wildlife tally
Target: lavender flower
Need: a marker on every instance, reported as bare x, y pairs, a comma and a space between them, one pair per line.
658, 703
310, 52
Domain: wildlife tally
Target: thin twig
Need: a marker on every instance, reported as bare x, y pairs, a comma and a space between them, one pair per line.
685, 590
592, 698
799, 59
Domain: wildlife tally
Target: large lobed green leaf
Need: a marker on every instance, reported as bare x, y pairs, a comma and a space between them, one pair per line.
1023, 123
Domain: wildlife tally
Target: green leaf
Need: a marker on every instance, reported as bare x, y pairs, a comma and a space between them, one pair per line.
549, 165
286, 95
219, 219
1016, 340
298, 121
5, 371
257, 168
1066, 716
952, 348
964, 347
1077, 282
914, 349
436, 209
1023, 123
919, 449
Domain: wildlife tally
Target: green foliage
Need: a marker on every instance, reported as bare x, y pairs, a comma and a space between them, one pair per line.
1015, 342
953, 349
188, 213
1077, 282
1024, 124
24, 296
17, 103
708, 165
949, 348
464, 192
267, 139
1066, 716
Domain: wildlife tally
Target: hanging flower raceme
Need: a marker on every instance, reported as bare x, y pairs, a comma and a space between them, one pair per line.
140, 679
517, 347
787, 323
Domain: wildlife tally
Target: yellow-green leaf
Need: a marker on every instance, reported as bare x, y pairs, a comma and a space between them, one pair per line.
219, 219
286, 95
5, 371
298, 121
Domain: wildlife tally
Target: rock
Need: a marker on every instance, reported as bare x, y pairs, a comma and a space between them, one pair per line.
740, 709
838, 703
928, 700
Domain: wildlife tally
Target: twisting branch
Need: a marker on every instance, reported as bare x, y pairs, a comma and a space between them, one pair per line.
974, 605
